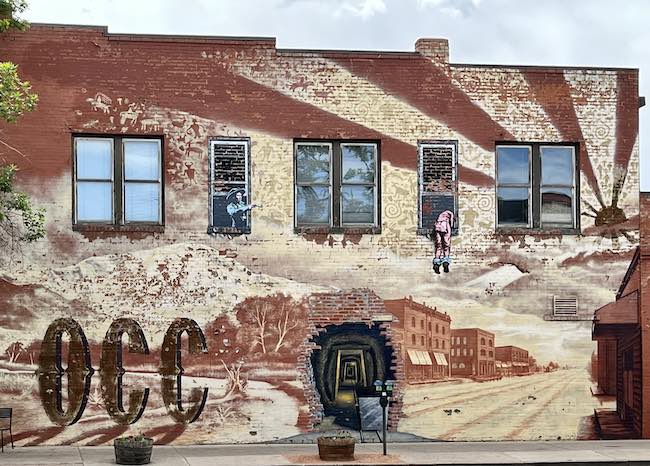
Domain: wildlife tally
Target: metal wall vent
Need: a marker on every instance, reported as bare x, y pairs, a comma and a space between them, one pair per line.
565, 305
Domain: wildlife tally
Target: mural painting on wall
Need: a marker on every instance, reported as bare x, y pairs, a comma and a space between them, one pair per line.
257, 333
230, 186
438, 198
442, 240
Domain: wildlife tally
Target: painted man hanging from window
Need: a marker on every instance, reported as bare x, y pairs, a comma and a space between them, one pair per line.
238, 209
442, 240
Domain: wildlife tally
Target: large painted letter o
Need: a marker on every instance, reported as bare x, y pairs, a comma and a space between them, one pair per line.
50, 372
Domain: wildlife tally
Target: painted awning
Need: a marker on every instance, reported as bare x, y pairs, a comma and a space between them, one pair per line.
419, 358
621, 311
440, 359
616, 317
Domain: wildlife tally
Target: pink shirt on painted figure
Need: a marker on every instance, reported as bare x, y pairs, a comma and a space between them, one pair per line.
445, 222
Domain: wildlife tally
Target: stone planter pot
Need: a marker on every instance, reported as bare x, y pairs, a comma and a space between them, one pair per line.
336, 448
132, 450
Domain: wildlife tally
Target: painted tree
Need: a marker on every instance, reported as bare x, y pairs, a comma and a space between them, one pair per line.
20, 221
552, 366
289, 318
257, 314
32, 351
270, 323
14, 350
237, 383
221, 336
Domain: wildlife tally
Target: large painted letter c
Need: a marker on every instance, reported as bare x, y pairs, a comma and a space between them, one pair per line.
171, 369
111, 371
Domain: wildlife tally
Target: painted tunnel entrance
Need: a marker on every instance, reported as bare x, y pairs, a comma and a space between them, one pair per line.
351, 357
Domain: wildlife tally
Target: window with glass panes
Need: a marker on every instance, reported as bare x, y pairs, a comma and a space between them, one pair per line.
336, 184
537, 186
117, 180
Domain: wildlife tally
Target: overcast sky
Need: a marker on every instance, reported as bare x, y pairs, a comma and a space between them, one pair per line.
523, 32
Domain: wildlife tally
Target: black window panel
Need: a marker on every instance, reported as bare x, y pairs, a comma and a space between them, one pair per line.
432, 205
437, 183
229, 164
230, 186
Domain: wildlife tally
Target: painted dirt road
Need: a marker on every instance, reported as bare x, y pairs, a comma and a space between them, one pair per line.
227, 416
521, 408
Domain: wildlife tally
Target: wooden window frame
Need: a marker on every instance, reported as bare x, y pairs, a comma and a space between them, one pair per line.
335, 186
118, 221
535, 191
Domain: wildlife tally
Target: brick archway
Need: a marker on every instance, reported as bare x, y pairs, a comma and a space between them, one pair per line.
360, 315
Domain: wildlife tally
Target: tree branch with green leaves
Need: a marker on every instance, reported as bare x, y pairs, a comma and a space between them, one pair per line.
16, 97
9, 11
20, 221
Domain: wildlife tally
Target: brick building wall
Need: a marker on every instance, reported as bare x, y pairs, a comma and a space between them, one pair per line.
266, 294
644, 315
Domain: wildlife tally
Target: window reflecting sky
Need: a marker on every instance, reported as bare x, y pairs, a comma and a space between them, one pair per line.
358, 163
513, 165
141, 160
557, 165
94, 159
94, 201
313, 163
313, 204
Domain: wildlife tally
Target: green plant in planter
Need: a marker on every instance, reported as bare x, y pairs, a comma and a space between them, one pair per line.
133, 449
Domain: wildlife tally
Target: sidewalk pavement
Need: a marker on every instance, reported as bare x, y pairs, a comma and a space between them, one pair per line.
614, 452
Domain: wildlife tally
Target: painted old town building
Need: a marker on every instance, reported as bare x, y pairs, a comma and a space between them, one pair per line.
426, 339
512, 359
620, 330
263, 208
472, 352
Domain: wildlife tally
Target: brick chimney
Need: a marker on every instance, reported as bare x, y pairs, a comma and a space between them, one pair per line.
437, 50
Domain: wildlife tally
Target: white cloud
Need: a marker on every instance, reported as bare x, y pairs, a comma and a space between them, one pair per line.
363, 8
453, 8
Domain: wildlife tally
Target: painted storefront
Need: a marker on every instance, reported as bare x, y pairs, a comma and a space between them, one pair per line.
274, 230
